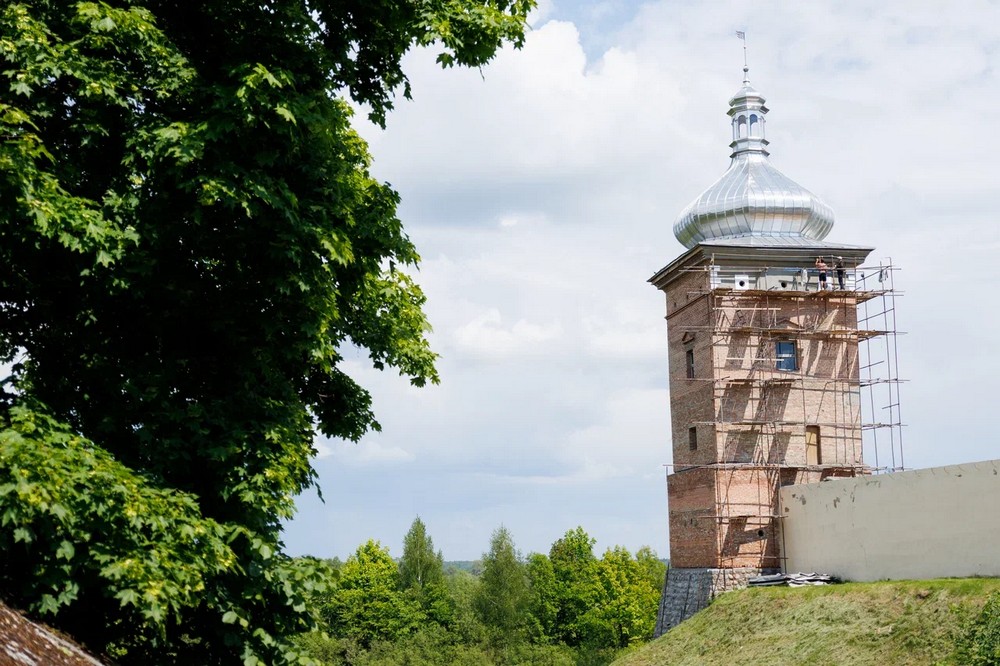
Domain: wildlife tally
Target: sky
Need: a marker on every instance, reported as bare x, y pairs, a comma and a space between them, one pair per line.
541, 193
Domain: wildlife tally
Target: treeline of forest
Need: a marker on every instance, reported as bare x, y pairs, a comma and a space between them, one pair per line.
566, 608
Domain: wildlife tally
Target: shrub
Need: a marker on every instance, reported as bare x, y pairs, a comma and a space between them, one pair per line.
980, 644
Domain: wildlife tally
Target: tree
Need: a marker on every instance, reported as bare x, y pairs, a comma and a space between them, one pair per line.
368, 605
421, 574
627, 613
653, 570
543, 608
191, 237
502, 598
420, 566
463, 589
579, 587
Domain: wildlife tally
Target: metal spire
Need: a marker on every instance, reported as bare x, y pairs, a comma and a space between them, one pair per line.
746, 69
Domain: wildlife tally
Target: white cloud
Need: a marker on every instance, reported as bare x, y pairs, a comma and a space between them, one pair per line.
486, 336
625, 331
364, 453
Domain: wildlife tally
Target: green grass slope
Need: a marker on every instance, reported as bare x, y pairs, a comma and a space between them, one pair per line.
899, 622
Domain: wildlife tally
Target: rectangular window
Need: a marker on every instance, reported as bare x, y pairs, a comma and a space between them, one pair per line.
693, 438
785, 355
813, 454
689, 361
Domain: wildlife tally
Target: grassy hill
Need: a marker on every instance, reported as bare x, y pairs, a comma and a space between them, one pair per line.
902, 622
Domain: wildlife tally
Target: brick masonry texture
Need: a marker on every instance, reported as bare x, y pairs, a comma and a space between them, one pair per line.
751, 418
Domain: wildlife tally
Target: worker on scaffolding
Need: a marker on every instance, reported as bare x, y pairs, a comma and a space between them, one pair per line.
839, 268
822, 268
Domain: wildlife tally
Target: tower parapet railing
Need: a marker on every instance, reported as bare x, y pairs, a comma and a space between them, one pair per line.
868, 281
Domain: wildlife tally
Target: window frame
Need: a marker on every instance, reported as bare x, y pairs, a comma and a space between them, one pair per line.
783, 359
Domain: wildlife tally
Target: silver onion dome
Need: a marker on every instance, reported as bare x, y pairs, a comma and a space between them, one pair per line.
752, 199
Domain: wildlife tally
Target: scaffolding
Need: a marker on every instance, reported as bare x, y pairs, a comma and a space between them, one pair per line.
837, 374
880, 370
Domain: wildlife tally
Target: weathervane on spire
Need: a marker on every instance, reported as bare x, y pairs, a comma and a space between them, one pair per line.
746, 70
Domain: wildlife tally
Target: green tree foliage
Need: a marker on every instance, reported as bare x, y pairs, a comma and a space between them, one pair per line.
191, 238
980, 644
432, 646
421, 574
578, 586
543, 608
436, 647
85, 534
606, 603
420, 566
627, 613
509, 614
502, 598
463, 588
367, 605
654, 571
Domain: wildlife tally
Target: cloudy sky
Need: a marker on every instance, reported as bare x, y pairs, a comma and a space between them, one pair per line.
542, 194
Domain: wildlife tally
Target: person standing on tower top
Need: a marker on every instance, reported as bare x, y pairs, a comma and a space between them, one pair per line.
838, 267
822, 268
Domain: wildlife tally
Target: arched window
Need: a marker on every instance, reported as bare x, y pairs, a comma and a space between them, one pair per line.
741, 124
754, 126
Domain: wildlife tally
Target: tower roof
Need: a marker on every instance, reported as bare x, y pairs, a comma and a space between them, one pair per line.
752, 198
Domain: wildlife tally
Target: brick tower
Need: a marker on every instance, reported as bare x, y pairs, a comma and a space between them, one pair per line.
763, 362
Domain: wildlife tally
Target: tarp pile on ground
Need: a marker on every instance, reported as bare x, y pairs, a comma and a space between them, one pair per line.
792, 579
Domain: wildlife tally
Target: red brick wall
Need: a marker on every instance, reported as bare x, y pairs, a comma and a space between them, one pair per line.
750, 417
694, 527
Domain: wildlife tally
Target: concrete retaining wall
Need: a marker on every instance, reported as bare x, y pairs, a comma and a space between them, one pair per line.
929, 523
